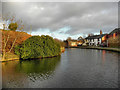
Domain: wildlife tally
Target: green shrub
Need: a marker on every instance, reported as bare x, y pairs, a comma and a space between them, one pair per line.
38, 46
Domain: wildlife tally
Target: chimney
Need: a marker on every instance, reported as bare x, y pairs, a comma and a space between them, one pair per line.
100, 32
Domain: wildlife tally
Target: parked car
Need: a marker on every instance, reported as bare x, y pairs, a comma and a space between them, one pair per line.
104, 44
79, 45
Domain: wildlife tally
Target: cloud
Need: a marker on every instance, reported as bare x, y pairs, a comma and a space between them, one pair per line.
81, 17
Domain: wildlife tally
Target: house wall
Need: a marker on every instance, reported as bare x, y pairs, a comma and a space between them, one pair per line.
99, 42
94, 42
73, 44
113, 35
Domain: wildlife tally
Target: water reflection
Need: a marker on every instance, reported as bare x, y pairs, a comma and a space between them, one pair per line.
30, 70
42, 69
76, 68
103, 56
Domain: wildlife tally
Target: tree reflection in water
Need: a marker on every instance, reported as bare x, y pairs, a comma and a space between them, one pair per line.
22, 71
42, 69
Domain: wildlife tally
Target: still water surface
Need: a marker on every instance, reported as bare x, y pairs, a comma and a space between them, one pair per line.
76, 68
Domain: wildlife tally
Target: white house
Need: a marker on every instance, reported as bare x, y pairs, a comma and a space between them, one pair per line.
94, 40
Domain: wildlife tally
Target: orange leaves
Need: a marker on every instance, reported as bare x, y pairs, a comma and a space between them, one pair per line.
21, 36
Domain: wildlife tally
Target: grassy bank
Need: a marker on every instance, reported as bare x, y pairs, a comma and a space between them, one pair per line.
10, 57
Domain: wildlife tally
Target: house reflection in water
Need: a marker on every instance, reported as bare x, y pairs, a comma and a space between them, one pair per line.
103, 56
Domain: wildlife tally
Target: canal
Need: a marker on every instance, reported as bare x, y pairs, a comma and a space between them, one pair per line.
75, 68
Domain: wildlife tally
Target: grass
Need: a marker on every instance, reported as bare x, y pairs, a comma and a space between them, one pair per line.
10, 56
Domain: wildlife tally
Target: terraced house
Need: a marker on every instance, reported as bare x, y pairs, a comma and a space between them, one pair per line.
96, 40
114, 33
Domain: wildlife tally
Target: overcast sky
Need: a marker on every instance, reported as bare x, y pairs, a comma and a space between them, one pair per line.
63, 19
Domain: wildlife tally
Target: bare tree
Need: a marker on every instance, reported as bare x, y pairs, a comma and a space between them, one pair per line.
20, 28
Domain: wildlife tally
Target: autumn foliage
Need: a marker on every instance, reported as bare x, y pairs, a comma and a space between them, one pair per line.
21, 36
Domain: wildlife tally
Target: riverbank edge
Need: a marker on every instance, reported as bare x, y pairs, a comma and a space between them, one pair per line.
13, 59
99, 48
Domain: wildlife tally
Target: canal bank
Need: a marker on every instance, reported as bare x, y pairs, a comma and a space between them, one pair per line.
13, 57
99, 48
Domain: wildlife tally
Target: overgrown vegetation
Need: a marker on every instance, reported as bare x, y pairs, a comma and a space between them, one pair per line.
10, 36
37, 47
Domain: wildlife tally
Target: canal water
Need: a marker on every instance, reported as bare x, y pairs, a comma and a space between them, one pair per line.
75, 68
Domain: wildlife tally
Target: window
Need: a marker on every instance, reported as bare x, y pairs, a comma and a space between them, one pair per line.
114, 35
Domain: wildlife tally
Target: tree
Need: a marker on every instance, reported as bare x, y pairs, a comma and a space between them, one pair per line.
62, 44
12, 22
69, 38
13, 26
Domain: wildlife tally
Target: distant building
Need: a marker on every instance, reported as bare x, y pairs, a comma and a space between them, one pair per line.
96, 40
74, 42
70, 43
93, 40
80, 41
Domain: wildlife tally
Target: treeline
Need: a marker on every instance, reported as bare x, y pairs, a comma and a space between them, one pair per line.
62, 44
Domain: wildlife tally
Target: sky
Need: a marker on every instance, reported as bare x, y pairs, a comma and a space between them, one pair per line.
64, 19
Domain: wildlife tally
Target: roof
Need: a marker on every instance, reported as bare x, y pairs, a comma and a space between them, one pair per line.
95, 36
73, 40
117, 30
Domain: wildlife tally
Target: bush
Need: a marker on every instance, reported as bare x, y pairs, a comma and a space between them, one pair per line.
37, 47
